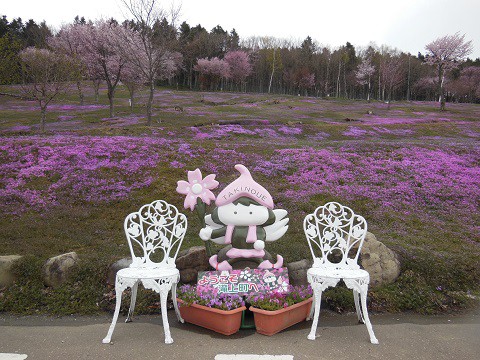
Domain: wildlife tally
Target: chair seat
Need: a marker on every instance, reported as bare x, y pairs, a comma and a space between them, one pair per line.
338, 273
147, 273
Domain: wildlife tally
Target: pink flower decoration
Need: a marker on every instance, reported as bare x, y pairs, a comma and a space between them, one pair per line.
196, 187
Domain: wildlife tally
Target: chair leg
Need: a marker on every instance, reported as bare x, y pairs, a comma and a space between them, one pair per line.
363, 298
132, 302
318, 301
118, 294
357, 307
175, 305
163, 306
312, 309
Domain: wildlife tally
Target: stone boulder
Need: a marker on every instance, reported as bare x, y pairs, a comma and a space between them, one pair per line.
190, 262
113, 269
6, 262
57, 269
380, 261
297, 272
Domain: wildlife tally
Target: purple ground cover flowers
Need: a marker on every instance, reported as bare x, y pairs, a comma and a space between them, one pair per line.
41, 171
262, 131
410, 179
189, 295
277, 300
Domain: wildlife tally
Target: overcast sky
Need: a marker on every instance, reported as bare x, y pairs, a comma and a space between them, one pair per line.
404, 24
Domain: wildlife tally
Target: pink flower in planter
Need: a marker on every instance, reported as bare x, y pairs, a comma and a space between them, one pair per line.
197, 187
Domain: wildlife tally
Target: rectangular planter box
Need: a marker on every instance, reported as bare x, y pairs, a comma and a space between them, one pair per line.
272, 322
226, 322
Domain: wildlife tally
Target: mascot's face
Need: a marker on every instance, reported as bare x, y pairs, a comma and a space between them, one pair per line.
241, 215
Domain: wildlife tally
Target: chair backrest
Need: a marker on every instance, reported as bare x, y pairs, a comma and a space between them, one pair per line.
335, 236
155, 234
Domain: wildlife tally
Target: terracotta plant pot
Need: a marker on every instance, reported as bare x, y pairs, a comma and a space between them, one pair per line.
226, 322
271, 322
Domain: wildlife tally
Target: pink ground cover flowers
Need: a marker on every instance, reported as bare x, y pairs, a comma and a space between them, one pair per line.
40, 171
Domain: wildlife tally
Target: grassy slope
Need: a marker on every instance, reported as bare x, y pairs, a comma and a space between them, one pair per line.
281, 139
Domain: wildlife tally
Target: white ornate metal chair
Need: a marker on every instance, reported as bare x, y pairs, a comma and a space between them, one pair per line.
335, 236
155, 234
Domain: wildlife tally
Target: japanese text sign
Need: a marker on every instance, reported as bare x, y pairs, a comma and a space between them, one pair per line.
243, 282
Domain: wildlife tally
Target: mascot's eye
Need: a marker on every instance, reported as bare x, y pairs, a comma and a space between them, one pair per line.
251, 213
235, 212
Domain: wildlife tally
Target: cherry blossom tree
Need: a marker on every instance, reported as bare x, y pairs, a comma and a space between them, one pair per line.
470, 77
133, 80
101, 52
305, 80
445, 53
364, 73
68, 41
148, 64
425, 87
240, 67
72, 40
300, 79
212, 71
95, 74
146, 46
467, 86
46, 74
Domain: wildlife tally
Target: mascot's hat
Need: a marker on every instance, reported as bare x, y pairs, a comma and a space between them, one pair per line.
244, 186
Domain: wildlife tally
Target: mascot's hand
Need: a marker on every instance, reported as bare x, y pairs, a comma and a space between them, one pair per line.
259, 245
206, 233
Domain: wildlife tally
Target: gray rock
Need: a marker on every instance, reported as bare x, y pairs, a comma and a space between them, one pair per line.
6, 262
113, 269
57, 269
192, 257
380, 261
297, 272
190, 262
189, 275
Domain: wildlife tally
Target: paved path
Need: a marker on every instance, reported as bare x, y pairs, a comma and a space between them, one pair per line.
401, 336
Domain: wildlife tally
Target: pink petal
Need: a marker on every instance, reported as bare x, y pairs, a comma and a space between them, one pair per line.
194, 175
210, 182
207, 196
190, 202
183, 187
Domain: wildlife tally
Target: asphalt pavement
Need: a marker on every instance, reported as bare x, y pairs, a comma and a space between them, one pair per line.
401, 336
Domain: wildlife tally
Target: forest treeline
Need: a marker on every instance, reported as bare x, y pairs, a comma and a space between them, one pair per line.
217, 59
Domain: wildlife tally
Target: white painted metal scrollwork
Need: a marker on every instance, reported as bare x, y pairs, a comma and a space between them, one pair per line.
335, 235
121, 284
156, 228
334, 229
321, 282
162, 285
359, 285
